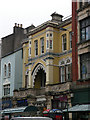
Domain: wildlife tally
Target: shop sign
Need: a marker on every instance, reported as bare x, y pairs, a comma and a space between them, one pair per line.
41, 99
62, 98
22, 102
6, 104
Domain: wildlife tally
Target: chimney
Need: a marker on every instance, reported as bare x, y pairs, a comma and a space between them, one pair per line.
17, 28
56, 17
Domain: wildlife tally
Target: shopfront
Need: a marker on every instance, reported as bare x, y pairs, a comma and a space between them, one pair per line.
59, 102
80, 112
19, 111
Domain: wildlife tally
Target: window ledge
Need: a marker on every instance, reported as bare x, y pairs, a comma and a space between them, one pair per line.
83, 80
82, 42
4, 77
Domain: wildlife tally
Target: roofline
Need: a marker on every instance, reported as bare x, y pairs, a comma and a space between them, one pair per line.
49, 23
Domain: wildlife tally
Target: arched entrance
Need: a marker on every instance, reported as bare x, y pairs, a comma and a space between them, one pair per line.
40, 79
39, 76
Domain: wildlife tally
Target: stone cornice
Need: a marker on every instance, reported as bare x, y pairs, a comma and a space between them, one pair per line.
51, 53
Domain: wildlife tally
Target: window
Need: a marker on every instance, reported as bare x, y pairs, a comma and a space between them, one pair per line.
26, 79
9, 70
83, 3
80, 3
42, 45
30, 51
6, 89
47, 34
68, 72
85, 66
5, 69
70, 36
85, 29
30, 42
47, 44
62, 74
36, 47
50, 34
65, 70
51, 44
64, 44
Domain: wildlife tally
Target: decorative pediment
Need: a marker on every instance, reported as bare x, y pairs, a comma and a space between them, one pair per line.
6, 82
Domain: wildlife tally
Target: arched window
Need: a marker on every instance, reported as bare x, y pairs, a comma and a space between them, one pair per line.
5, 68
9, 70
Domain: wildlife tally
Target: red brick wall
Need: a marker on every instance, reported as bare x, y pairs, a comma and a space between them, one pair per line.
74, 42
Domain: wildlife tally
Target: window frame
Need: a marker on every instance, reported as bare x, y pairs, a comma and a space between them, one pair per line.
70, 38
29, 51
64, 42
9, 69
42, 45
84, 25
66, 64
51, 44
84, 66
6, 90
36, 47
5, 70
62, 73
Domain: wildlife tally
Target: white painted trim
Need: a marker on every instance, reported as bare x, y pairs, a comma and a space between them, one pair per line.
40, 66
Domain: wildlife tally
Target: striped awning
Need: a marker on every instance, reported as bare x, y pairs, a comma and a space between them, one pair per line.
20, 109
78, 108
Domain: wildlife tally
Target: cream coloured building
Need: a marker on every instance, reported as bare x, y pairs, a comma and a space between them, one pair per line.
47, 65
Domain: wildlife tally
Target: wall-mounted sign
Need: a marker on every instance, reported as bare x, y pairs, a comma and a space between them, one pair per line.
6, 104
62, 98
22, 102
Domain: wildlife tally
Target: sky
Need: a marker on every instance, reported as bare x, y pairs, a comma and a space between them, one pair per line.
29, 12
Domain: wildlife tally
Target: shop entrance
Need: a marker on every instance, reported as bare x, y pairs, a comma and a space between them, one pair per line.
40, 79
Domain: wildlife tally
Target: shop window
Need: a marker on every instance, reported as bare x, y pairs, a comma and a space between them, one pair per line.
85, 66
85, 29
64, 42
9, 70
42, 45
36, 47
6, 89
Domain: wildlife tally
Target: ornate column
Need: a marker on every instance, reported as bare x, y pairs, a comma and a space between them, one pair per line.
49, 70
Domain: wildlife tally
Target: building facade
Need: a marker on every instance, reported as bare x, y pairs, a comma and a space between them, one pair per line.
47, 66
11, 65
80, 57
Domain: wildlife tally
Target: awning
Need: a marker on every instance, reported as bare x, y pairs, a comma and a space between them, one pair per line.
20, 109
78, 108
